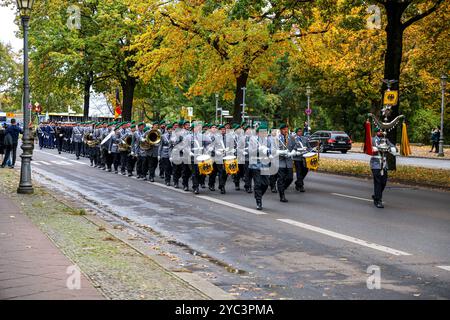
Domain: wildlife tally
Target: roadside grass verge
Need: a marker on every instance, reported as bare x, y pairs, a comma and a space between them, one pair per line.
428, 177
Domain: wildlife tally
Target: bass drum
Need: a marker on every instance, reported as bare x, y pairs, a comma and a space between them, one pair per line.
231, 165
205, 164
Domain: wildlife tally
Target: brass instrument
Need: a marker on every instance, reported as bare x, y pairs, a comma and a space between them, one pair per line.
125, 143
150, 139
90, 141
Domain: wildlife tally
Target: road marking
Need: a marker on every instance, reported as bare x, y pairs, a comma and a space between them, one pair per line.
45, 162
62, 163
351, 197
168, 187
207, 198
231, 205
444, 267
53, 155
80, 162
346, 238
36, 163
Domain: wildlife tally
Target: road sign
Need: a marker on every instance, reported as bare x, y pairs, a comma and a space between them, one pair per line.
10, 115
190, 111
308, 111
390, 97
225, 112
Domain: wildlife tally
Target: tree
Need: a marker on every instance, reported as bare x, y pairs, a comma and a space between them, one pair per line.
225, 41
10, 74
400, 14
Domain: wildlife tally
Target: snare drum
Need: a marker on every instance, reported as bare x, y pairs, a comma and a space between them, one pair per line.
231, 165
312, 160
205, 164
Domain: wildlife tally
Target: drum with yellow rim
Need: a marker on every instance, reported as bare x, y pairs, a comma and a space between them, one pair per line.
205, 164
231, 165
312, 160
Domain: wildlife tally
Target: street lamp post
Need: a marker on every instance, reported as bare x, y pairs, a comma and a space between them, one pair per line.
441, 138
25, 186
217, 105
308, 95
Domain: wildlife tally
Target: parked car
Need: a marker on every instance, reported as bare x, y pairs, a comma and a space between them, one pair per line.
332, 141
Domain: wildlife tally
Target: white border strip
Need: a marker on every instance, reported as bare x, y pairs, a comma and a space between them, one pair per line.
346, 238
447, 268
231, 205
351, 197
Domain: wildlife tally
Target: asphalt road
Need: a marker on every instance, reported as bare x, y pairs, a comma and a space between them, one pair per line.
408, 161
319, 245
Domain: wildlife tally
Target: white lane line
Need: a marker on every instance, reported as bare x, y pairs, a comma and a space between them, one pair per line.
80, 162
53, 155
231, 205
169, 187
444, 267
45, 162
207, 198
346, 238
62, 163
351, 197
36, 163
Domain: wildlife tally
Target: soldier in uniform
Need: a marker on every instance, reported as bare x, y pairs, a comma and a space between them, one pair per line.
132, 158
77, 139
299, 162
273, 178
59, 131
165, 151
153, 156
259, 150
177, 152
114, 149
379, 166
41, 135
138, 136
285, 172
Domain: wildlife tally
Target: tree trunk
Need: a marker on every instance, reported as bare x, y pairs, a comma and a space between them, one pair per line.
87, 94
241, 81
393, 56
128, 87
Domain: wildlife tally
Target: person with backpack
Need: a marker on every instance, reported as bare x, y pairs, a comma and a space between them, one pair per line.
10, 141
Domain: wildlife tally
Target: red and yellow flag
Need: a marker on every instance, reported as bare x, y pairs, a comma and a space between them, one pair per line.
118, 108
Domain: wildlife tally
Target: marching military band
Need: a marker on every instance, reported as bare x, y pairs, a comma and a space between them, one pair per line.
199, 152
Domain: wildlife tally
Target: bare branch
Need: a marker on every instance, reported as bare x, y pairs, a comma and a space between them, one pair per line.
422, 15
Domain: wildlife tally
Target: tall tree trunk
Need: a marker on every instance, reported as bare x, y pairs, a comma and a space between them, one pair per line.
241, 81
87, 94
393, 56
128, 86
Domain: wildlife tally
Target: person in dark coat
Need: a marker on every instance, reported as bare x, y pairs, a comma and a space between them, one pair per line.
2, 140
13, 130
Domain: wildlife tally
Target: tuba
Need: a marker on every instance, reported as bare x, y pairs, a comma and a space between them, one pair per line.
125, 142
150, 139
90, 141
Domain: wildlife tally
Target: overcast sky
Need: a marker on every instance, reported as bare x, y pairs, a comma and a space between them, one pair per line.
8, 28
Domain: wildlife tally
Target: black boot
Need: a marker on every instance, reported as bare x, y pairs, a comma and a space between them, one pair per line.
259, 205
283, 197
176, 186
222, 190
274, 189
196, 191
237, 187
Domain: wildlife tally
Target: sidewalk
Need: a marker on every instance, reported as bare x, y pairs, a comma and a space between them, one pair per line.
31, 266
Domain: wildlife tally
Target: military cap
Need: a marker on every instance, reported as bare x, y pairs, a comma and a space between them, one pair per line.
222, 126
283, 125
262, 127
162, 122
141, 124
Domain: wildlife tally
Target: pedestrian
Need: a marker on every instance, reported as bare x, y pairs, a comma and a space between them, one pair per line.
11, 140
2, 140
435, 135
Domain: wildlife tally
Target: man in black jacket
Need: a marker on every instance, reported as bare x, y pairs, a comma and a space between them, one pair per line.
11, 142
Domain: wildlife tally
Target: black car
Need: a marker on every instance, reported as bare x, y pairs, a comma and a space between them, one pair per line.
332, 140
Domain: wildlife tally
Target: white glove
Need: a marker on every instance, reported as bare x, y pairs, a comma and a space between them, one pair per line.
374, 149
263, 149
109, 152
159, 158
218, 153
283, 152
394, 150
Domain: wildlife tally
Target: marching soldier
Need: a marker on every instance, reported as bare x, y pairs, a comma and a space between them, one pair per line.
77, 139
141, 154
299, 162
273, 178
153, 156
259, 150
165, 150
379, 165
132, 158
285, 172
